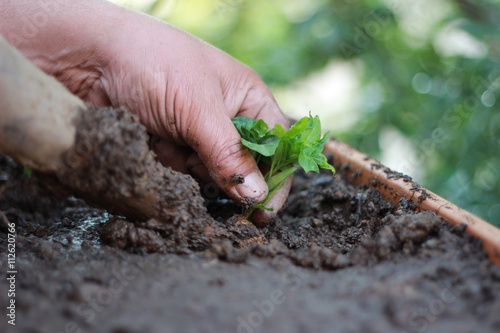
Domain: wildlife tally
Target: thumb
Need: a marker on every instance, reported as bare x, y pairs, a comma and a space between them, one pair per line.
229, 163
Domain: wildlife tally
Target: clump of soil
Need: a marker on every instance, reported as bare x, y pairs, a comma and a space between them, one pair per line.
330, 212
112, 167
23, 199
338, 259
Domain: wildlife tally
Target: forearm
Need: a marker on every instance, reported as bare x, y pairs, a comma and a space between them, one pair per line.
62, 37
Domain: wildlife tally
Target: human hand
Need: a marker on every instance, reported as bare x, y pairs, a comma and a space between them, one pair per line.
184, 90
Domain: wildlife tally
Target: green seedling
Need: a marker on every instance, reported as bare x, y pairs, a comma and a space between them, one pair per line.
28, 172
283, 151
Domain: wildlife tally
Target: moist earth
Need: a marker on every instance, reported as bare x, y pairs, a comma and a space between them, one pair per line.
339, 258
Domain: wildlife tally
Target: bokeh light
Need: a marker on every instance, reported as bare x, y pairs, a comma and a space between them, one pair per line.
413, 83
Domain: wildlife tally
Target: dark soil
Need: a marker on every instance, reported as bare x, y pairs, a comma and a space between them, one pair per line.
339, 259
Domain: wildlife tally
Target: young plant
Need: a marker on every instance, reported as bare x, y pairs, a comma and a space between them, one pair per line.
283, 151
28, 172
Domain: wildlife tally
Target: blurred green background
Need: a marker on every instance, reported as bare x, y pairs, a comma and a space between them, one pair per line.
412, 83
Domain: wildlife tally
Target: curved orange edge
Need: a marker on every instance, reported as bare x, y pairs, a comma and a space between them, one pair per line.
393, 186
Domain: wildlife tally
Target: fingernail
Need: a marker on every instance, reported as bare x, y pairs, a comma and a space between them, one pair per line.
253, 187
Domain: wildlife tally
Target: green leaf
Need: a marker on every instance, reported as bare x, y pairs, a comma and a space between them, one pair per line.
265, 149
308, 163
298, 128
322, 162
243, 122
278, 131
28, 172
281, 150
260, 128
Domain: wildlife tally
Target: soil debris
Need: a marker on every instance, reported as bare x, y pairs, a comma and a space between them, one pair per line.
112, 167
338, 259
237, 178
125, 235
391, 174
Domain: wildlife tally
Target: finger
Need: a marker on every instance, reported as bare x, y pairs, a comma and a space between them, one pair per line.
170, 154
258, 103
96, 96
197, 169
262, 217
229, 163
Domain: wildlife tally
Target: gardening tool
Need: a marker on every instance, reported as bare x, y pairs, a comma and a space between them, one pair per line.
37, 113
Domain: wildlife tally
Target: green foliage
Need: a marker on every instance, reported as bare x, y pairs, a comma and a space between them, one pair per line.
256, 136
283, 150
28, 172
444, 103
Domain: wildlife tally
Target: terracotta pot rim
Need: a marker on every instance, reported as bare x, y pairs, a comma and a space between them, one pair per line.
394, 186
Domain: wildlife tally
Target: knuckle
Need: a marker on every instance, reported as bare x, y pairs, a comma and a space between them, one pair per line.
232, 157
260, 103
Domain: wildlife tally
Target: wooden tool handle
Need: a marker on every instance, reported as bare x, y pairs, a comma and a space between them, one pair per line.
362, 169
36, 112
